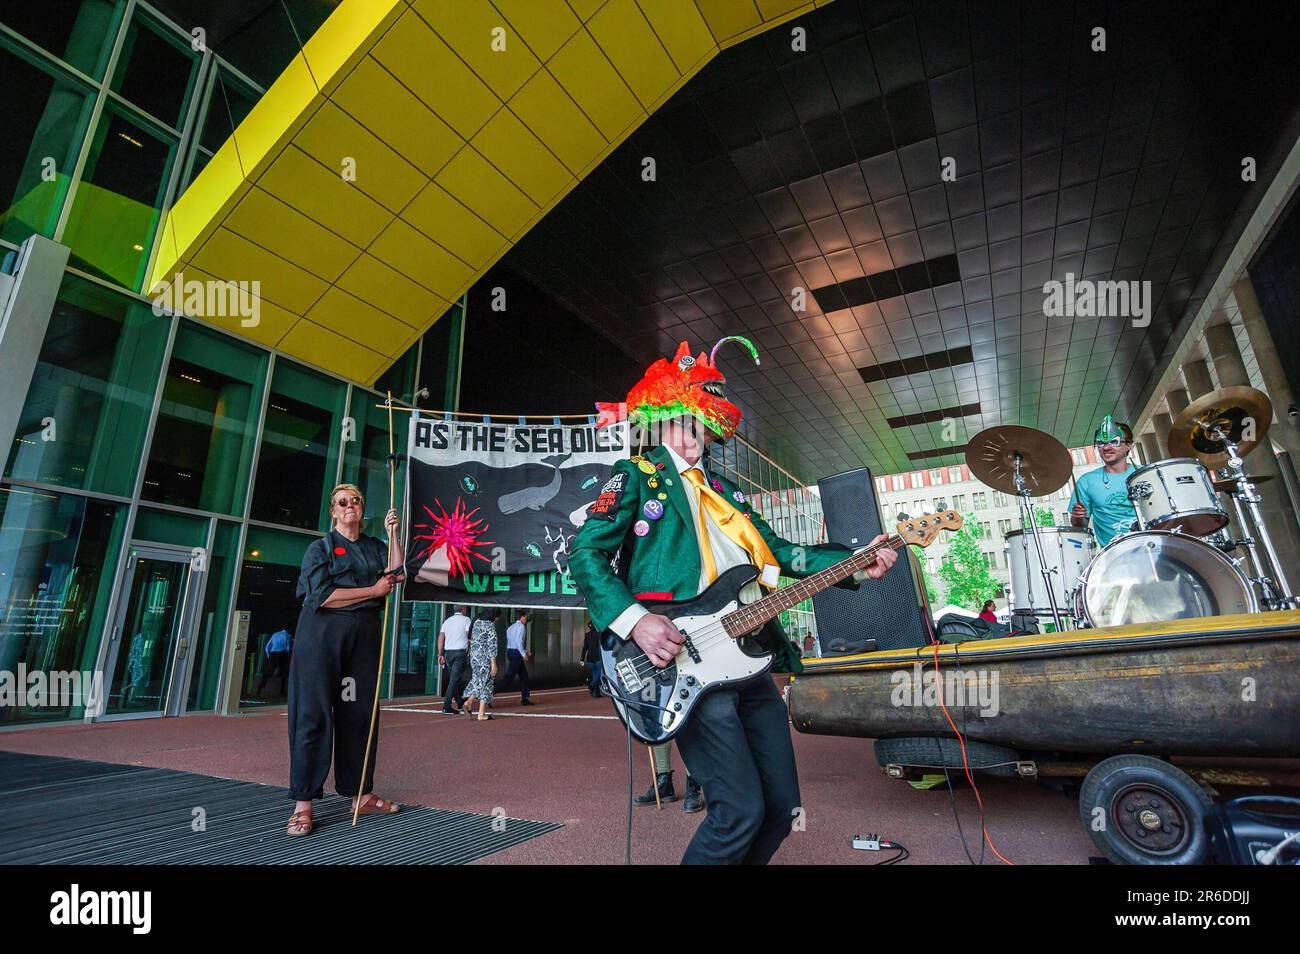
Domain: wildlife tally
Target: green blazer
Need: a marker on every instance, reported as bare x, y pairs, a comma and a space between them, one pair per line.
664, 563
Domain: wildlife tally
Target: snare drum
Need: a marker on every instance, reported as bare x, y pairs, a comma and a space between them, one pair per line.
1066, 552
1155, 576
1176, 494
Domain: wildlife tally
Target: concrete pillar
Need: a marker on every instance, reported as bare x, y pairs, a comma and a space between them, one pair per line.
1177, 399
1279, 516
1197, 375
1161, 423
1286, 428
1151, 451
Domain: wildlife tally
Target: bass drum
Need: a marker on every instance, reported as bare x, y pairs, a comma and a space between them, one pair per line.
1153, 576
1066, 551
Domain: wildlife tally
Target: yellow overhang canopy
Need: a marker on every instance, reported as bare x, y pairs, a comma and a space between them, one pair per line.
410, 144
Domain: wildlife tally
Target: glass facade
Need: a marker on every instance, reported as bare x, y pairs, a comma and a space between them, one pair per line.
164, 475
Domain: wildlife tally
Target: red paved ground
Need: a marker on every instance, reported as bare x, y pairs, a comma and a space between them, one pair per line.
575, 771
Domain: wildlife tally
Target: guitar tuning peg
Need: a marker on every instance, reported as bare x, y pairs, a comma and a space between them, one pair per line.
903, 516
941, 505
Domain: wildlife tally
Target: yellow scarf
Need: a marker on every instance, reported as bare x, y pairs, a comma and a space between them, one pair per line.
734, 524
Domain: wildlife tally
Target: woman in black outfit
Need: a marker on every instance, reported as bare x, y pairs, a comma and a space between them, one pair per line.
343, 586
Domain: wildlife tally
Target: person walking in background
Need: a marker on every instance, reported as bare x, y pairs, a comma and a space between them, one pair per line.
453, 648
278, 648
591, 656
482, 663
517, 656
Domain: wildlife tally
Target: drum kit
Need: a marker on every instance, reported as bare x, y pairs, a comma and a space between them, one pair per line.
1174, 561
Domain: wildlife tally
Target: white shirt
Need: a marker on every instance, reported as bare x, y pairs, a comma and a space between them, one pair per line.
455, 632
515, 634
727, 553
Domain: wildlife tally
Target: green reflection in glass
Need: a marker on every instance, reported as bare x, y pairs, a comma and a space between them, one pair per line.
84, 421
212, 624
155, 71
301, 434
47, 117
55, 580
203, 440
115, 211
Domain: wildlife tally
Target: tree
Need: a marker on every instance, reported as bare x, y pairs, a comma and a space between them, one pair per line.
964, 571
1045, 517
931, 587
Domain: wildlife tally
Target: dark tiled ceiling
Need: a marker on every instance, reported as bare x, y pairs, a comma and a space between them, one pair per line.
778, 169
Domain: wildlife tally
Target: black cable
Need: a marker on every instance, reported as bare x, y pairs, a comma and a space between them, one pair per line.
952, 796
903, 855
627, 850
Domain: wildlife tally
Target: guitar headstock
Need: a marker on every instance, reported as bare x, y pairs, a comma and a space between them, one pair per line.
922, 530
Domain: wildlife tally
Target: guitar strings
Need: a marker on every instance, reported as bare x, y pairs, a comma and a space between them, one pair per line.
715, 632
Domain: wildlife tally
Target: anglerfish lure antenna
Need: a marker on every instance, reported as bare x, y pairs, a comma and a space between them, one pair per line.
753, 352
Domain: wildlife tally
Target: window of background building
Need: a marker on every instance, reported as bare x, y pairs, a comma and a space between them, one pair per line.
954, 474
94, 384
1004, 527
203, 440
916, 480
959, 502
56, 576
936, 476
918, 507
985, 532
981, 501
999, 499
898, 481
46, 116
301, 432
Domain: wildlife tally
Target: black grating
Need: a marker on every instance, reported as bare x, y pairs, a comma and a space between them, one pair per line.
917, 365
930, 417
891, 283
937, 452
69, 811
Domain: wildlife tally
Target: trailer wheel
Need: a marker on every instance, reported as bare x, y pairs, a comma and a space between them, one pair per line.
946, 753
1141, 811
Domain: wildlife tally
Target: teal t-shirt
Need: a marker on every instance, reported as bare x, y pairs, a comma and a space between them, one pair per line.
1106, 497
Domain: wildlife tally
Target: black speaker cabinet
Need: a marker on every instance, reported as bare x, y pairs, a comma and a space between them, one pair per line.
890, 610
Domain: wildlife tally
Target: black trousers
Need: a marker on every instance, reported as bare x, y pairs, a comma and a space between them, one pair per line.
516, 665
737, 746
331, 690
457, 677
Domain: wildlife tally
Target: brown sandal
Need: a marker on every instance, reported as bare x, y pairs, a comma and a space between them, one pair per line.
377, 806
299, 824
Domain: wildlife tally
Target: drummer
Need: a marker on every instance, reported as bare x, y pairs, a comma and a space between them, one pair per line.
1102, 494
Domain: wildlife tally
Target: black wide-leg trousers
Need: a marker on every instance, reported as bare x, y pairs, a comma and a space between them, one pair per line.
737, 746
331, 690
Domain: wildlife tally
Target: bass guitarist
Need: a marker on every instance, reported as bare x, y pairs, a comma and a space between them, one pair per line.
672, 529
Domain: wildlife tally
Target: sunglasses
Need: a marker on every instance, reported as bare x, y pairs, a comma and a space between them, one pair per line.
344, 501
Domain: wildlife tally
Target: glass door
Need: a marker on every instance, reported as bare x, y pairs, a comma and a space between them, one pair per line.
147, 659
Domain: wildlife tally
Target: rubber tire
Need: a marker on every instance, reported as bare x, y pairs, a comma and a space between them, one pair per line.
1109, 776
918, 751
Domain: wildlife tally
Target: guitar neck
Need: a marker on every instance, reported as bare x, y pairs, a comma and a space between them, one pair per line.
753, 615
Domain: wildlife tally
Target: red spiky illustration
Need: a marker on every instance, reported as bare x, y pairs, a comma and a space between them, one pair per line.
458, 531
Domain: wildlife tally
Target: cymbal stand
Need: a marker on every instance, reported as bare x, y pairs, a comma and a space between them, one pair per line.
1245, 493
1022, 495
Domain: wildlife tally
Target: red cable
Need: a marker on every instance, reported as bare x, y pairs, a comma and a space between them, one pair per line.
964, 761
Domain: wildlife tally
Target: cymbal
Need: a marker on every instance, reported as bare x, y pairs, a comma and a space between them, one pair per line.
1244, 414
1044, 462
1226, 485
